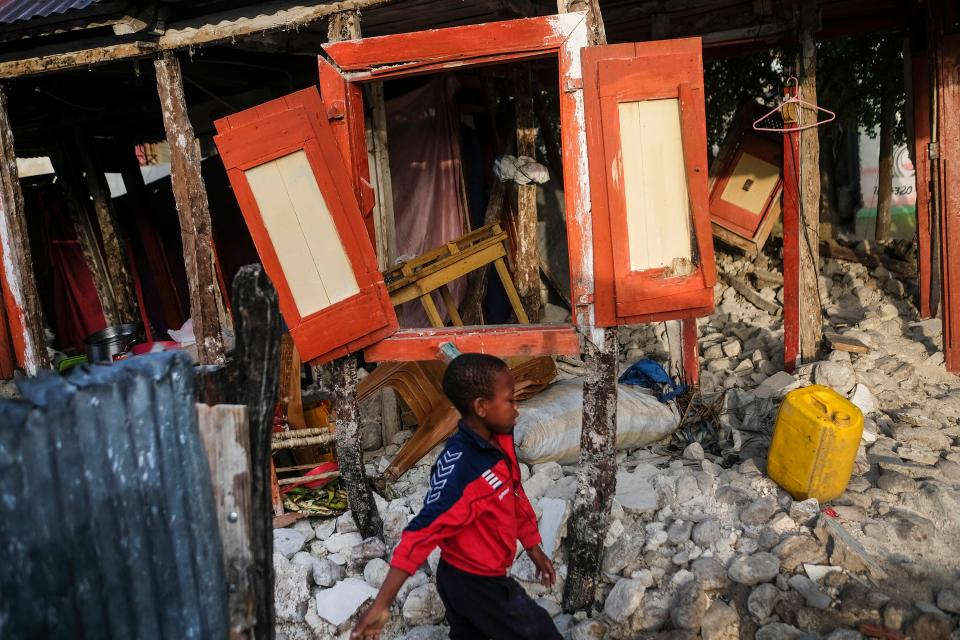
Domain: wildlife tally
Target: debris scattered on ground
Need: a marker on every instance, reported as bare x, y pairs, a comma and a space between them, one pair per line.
701, 542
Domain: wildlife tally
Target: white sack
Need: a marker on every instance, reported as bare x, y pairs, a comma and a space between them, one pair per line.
548, 428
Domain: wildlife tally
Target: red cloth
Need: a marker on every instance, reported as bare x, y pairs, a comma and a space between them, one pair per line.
429, 203
77, 310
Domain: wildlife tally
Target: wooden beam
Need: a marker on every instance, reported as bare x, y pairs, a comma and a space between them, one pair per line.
791, 248
691, 352
527, 264
920, 76
20, 297
225, 432
596, 468
63, 159
193, 209
114, 247
811, 320
503, 341
947, 138
208, 30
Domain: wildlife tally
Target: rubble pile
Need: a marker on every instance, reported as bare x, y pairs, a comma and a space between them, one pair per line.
702, 544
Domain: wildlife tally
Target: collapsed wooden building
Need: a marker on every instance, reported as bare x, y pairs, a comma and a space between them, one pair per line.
295, 94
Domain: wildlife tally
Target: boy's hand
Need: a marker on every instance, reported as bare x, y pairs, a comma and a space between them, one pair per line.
371, 623
545, 571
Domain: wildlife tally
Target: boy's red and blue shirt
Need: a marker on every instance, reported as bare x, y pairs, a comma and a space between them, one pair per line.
475, 509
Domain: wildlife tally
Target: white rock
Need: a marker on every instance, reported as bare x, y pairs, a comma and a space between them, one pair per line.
863, 398
553, 523
343, 543
325, 528
635, 494
552, 470
426, 632
304, 527
346, 523
589, 630
337, 604
423, 606
376, 572
537, 485
414, 581
693, 451
327, 573
624, 599
838, 375
780, 381
290, 589
613, 533
816, 572
288, 541
754, 569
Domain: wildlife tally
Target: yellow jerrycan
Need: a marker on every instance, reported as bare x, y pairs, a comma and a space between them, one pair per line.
815, 441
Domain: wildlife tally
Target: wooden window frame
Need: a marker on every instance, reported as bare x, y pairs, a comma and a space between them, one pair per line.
731, 216
417, 53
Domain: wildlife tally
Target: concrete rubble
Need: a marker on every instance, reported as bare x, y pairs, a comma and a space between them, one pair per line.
702, 544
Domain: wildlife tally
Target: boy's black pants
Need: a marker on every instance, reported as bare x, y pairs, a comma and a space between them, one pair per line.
482, 607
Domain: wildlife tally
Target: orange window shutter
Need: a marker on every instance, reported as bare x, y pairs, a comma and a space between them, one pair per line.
647, 149
299, 203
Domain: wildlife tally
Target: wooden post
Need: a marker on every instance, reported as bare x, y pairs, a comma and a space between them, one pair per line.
527, 267
920, 77
20, 298
121, 283
190, 195
255, 369
791, 246
947, 138
888, 120
811, 321
597, 465
596, 474
346, 26
225, 432
385, 227
691, 354
350, 448
62, 158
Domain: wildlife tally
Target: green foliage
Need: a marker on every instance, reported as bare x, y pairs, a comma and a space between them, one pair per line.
729, 82
850, 76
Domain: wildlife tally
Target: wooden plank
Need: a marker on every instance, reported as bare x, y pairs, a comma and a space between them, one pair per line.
751, 296
948, 139
500, 340
64, 165
791, 249
527, 263
433, 314
226, 26
383, 215
691, 349
512, 293
193, 209
838, 342
8, 358
256, 368
920, 76
114, 247
811, 320
451, 306
24, 314
225, 432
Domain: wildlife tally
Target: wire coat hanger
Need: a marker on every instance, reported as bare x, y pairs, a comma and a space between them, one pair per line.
800, 106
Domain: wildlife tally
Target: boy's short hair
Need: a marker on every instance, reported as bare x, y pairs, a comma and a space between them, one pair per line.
471, 376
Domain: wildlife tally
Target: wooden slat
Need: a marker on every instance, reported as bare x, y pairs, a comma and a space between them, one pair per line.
20, 296
499, 340
921, 132
527, 264
225, 432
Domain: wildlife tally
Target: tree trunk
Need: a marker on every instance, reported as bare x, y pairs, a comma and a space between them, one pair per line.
350, 448
527, 266
829, 215
888, 117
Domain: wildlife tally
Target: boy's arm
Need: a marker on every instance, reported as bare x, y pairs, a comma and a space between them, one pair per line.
371, 622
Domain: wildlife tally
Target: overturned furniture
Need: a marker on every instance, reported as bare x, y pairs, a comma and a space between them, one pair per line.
746, 183
418, 383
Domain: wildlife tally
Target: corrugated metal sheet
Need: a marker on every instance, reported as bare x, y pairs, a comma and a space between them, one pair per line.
107, 522
15, 10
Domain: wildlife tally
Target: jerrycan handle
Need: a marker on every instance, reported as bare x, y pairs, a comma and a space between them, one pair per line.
840, 418
820, 404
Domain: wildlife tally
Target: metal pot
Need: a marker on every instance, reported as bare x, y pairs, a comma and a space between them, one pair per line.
103, 345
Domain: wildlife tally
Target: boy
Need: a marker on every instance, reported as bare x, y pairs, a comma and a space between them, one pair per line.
475, 510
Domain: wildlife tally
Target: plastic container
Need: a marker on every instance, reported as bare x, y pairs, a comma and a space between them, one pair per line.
815, 442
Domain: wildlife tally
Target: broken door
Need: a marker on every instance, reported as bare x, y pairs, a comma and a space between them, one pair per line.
647, 148
297, 198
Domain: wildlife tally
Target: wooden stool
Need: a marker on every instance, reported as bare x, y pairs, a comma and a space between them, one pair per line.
420, 276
